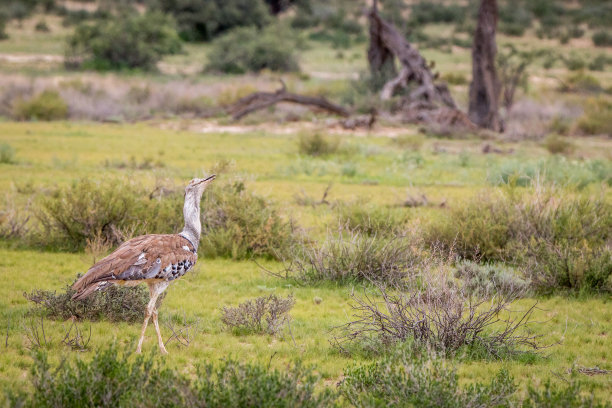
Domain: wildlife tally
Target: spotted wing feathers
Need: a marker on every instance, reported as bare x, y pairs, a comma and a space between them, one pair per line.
165, 257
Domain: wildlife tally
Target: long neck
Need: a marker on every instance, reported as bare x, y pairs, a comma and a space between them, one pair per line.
193, 226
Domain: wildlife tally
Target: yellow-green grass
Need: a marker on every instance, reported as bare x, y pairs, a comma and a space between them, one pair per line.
60, 153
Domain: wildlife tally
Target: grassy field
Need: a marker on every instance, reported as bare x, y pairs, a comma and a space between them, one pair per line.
445, 170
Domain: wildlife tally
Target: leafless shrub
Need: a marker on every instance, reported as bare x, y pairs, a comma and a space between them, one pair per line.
75, 338
259, 315
183, 332
352, 256
35, 334
439, 315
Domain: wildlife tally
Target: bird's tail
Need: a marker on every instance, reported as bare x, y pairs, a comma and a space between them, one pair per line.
82, 293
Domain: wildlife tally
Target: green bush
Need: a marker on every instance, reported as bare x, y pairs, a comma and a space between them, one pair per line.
350, 256
109, 211
113, 379
7, 153
204, 20
48, 105
238, 224
3, 21
488, 280
316, 144
425, 12
251, 50
124, 42
581, 82
115, 304
372, 220
597, 117
558, 145
42, 27
558, 243
602, 39
409, 379
514, 19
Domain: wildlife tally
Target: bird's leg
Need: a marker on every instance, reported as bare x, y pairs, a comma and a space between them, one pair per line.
148, 313
162, 348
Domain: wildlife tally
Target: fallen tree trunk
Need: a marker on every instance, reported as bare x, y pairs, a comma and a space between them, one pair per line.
261, 100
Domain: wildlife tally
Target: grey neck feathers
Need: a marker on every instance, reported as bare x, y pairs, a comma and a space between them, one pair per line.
191, 212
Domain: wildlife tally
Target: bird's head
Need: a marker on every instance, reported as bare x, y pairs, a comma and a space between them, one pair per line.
197, 186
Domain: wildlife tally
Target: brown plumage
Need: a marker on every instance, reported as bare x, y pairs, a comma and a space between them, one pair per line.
137, 260
156, 260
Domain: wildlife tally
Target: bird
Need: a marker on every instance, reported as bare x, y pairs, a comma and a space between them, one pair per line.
154, 259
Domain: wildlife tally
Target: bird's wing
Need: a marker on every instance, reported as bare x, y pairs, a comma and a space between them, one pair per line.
144, 257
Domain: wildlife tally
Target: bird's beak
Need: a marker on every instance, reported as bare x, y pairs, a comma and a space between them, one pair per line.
209, 178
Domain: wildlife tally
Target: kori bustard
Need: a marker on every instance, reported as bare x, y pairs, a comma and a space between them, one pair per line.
155, 259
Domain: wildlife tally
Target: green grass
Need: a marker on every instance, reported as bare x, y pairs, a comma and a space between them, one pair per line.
60, 152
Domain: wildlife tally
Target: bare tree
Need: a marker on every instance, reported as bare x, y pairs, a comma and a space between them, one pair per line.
485, 87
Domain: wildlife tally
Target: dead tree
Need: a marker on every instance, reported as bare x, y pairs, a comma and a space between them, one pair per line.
262, 100
387, 43
485, 87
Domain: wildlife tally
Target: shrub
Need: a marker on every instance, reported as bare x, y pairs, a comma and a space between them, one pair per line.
581, 82
410, 141
115, 304
559, 243
109, 211
425, 12
7, 153
558, 145
488, 280
260, 315
42, 27
602, 38
203, 21
455, 78
251, 50
350, 257
556, 396
48, 105
3, 21
436, 314
597, 117
372, 220
574, 62
112, 379
599, 63
239, 224
125, 42
316, 144
413, 379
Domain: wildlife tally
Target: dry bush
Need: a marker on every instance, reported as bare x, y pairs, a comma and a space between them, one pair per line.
48, 105
317, 144
14, 218
115, 304
597, 118
351, 256
260, 315
436, 314
558, 145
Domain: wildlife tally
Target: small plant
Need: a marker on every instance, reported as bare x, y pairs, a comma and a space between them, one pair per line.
47, 105
558, 145
317, 144
372, 220
597, 118
602, 38
581, 82
116, 304
260, 315
7, 154
412, 142
417, 379
42, 27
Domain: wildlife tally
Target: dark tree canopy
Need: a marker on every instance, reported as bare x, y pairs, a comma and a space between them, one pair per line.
202, 20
